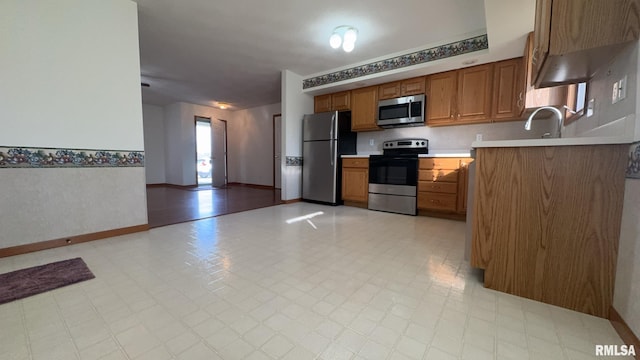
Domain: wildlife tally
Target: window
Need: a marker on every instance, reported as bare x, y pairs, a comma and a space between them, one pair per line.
576, 102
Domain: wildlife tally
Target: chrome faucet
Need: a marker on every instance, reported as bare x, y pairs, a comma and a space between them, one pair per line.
527, 125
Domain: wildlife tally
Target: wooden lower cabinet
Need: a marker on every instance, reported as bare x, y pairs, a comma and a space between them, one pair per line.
442, 185
547, 221
355, 180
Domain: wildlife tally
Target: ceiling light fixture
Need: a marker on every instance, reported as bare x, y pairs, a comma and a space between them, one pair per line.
344, 35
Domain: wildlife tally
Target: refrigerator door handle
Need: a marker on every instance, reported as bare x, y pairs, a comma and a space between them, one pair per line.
331, 134
333, 125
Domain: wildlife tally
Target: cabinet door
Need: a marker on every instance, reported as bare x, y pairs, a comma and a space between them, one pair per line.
441, 94
508, 90
542, 29
474, 94
413, 86
341, 101
389, 90
463, 186
364, 106
322, 103
355, 184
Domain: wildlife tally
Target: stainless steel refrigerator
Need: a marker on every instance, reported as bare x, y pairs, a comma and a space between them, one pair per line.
326, 136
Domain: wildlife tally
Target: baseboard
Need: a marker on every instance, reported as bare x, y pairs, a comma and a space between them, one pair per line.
171, 186
256, 186
362, 205
625, 332
443, 215
50, 244
291, 201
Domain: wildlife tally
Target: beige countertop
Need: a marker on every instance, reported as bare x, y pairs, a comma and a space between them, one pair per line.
599, 140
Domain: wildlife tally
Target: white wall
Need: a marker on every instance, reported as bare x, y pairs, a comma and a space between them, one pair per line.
295, 104
458, 138
70, 78
70, 74
611, 119
180, 140
153, 121
250, 145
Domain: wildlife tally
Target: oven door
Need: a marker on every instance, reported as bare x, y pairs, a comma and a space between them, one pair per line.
393, 170
392, 183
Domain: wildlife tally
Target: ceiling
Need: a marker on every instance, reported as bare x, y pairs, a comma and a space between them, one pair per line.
205, 52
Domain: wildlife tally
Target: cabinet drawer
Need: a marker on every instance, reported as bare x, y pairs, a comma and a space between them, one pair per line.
438, 175
355, 163
437, 201
438, 187
439, 163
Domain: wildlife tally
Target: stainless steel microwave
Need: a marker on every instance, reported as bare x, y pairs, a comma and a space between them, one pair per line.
402, 111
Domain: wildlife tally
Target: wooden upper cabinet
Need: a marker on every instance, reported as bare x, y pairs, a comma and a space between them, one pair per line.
508, 90
364, 108
575, 38
534, 98
389, 90
413, 86
341, 101
322, 103
474, 94
441, 94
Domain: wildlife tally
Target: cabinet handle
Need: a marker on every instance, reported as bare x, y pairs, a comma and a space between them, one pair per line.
520, 102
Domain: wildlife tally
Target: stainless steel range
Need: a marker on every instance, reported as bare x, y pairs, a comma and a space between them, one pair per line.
393, 176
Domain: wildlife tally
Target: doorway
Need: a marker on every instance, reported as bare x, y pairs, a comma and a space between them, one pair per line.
277, 151
211, 151
203, 151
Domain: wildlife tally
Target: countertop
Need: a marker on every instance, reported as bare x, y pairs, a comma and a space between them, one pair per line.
431, 154
599, 140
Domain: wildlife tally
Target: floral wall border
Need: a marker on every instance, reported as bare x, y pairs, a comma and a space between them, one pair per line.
633, 166
477, 43
29, 157
293, 161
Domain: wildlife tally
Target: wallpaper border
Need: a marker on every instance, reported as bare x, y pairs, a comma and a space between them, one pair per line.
633, 166
476, 43
12, 157
293, 161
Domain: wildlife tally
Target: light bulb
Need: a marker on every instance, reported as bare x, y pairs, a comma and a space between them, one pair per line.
335, 40
350, 35
348, 46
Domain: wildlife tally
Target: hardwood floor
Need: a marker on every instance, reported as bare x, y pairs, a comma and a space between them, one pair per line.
170, 205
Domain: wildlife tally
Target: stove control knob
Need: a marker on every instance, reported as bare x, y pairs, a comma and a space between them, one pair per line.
423, 143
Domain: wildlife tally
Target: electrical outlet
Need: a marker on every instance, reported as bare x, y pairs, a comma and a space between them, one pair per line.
478, 137
371, 142
590, 105
619, 90
622, 88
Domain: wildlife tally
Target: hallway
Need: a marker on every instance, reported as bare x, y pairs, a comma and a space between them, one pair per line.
171, 204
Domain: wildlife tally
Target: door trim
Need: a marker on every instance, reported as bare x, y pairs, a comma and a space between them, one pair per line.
273, 142
195, 138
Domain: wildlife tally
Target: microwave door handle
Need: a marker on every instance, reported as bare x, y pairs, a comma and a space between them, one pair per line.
410, 109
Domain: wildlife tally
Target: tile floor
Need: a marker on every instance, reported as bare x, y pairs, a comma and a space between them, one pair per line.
360, 285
